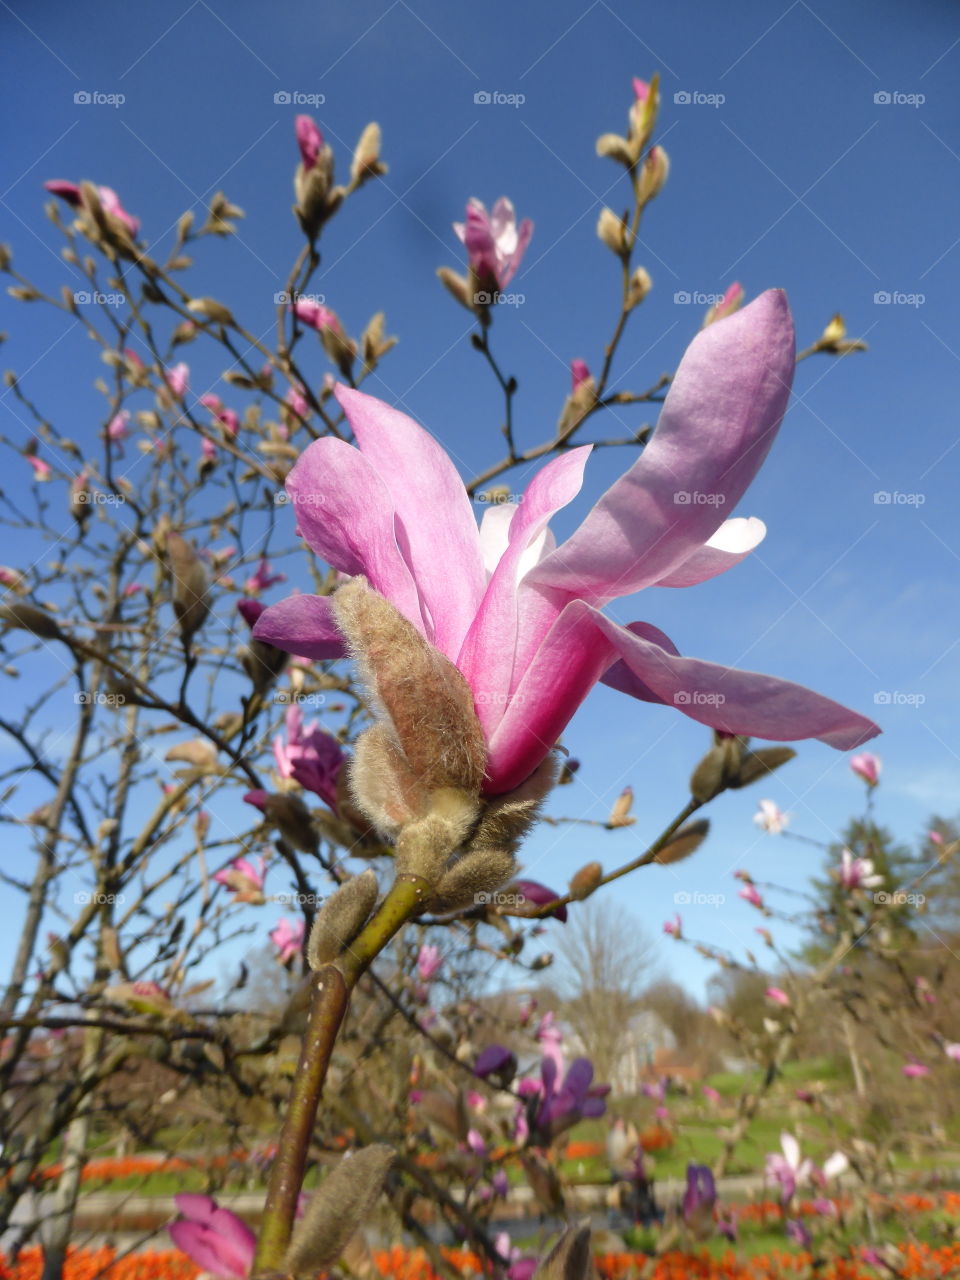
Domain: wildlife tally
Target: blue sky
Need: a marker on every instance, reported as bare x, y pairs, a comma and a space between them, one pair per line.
827, 163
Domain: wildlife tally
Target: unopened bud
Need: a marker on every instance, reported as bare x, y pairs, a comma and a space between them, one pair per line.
188, 584
340, 1206
620, 813
341, 918
586, 881
757, 764
656, 167
366, 162
640, 286
686, 841
29, 618
614, 232
616, 148
458, 285
211, 310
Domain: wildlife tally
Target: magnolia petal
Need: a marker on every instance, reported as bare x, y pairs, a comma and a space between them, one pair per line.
435, 525
717, 424
344, 510
731, 543
487, 657
495, 534
302, 625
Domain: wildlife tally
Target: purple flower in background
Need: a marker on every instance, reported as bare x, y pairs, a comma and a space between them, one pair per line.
521, 618
310, 756
263, 579
495, 1060
539, 895
213, 1238
495, 244
699, 1200
562, 1103
790, 1168
799, 1233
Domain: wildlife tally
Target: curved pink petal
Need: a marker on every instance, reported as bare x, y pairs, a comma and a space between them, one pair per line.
435, 525
235, 1234
495, 534
581, 648
479, 241
211, 1251
509, 267
302, 625
717, 425
345, 511
488, 653
731, 543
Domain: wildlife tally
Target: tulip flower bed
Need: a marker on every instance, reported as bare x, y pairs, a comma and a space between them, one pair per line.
916, 1262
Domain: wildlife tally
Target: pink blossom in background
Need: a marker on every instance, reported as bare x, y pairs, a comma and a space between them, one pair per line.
730, 302
867, 766
915, 1070
711, 1094
539, 895
520, 617
72, 194
770, 818
673, 927
579, 372
309, 140
41, 469
856, 873
208, 450
952, 1051
118, 428
297, 401
429, 961
310, 756
315, 316
263, 579
178, 379
287, 936
244, 879
935, 837
789, 1169
641, 89
213, 1238
750, 893
778, 996
495, 244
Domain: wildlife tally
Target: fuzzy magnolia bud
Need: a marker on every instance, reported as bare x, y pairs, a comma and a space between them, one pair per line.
212, 310
341, 918
614, 232
189, 585
289, 815
757, 764
616, 148
471, 880
586, 881
366, 162
686, 841
570, 1258
458, 285
426, 700
338, 1208
640, 286
656, 167
718, 768
29, 618
620, 813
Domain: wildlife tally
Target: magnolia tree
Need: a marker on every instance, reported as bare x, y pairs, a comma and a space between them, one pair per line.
167, 769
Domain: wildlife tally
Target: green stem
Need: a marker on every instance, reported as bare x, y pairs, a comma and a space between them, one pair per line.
332, 987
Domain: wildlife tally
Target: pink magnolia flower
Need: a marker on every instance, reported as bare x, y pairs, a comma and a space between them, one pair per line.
915, 1070
778, 996
579, 372
287, 937
244, 880
641, 89
495, 244
952, 1051
539, 895
263, 579
673, 927
178, 379
789, 1169
935, 837
9, 577
297, 401
309, 140
770, 818
41, 469
118, 427
856, 873
429, 961
750, 893
214, 1238
520, 618
72, 194
315, 316
711, 1094
310, 756
867, 766
208, 450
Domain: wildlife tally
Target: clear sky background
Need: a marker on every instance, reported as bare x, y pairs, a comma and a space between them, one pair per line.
830, 167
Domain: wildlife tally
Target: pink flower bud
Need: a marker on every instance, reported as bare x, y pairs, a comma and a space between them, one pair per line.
315, 316
579, 372
178, 379
778, 996
41, 469
309, 140
673, 927
751, 894
867, 766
